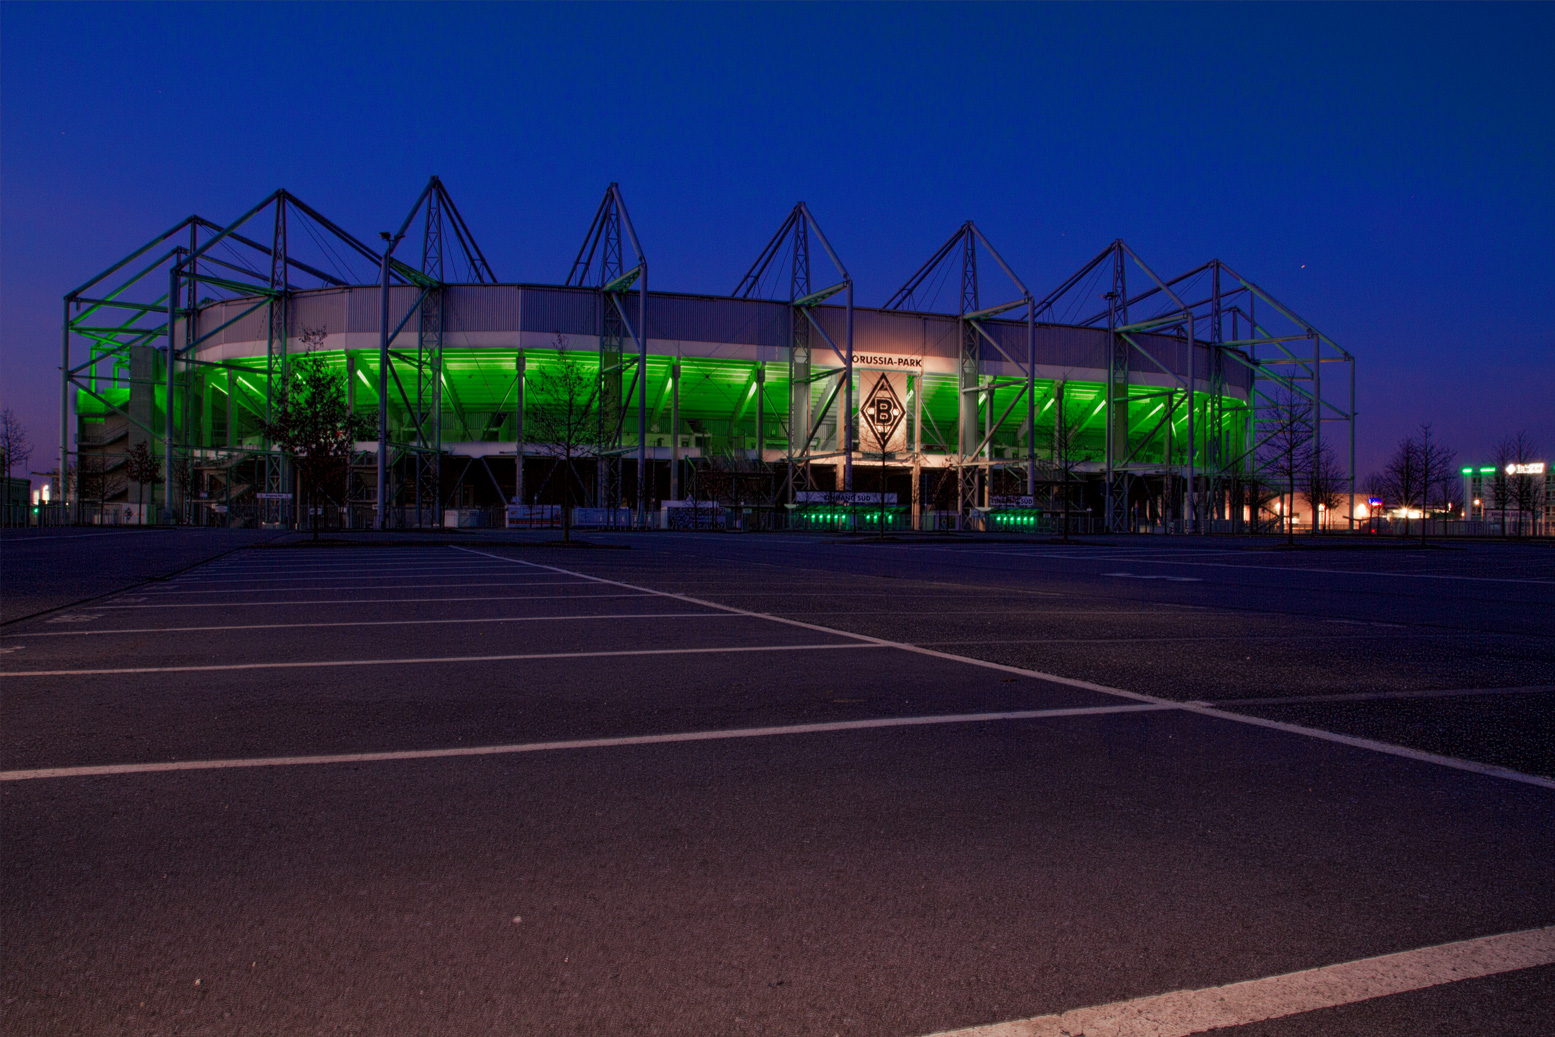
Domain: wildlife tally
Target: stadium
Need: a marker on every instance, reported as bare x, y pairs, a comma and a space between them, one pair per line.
1122, 400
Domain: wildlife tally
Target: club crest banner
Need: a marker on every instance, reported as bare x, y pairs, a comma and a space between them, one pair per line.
882, 413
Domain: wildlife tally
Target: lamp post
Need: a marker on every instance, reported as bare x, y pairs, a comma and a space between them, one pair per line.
383, 379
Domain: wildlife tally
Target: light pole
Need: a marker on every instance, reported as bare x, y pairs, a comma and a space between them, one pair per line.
383, 378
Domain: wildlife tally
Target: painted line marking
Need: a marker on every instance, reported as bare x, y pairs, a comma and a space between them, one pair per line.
581, 743
1471, 766
364, 601
170, 592
76, 617
381, 623
248, 569
336, 577
1141, 576
1184, 1012
76, 536
1292, 636
310, 664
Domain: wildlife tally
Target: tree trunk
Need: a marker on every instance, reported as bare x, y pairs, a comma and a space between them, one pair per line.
568, 475
1066, 506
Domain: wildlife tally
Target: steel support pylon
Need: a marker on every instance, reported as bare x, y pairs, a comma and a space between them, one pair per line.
977, 420
601, 265
816, 390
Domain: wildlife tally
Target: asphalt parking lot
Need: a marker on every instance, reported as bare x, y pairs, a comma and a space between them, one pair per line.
683, 784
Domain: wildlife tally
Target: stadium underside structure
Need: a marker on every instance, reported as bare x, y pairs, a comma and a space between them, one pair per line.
1122, 400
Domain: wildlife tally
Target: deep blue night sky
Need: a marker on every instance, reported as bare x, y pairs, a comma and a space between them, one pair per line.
1388, 170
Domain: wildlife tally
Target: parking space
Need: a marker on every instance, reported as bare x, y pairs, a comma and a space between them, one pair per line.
685, 784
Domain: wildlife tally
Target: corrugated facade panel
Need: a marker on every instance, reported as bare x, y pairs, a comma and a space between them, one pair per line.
1238, 375
1078, 348
365, 306
1164, 349
327, 310
941, 336
1173, 352
484, 308
1057, 346
834, 319
1012, 337
574, 311
247, 329
879, 331
885, 331
752, 322
567, 311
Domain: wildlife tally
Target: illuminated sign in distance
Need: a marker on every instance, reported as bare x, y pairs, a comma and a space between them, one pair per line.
1532, 468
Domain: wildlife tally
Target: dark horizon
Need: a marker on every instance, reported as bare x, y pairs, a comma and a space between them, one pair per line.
1393, 186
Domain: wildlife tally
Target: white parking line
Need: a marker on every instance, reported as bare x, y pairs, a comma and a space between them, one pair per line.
1485, 769
77, 536
1184, 1012
379, 623
582, 743
362, 565
286, 602
1295, 635
311, 664
327, 574
1156, 576
322, 578
161, 592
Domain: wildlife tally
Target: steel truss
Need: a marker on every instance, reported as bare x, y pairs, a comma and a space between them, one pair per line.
975, 429
814, 389
414, 446
600, 265
1176, 444
150, 297
1207, 469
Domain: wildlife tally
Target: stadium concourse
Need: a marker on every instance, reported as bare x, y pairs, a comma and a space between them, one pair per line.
692, 784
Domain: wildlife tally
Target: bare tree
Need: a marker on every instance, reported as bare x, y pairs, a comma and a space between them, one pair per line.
1321, 482
562, 410
717, 481
1436, 474
15, 445
1065, 456
1522, 491
705, 481
314, 427
91, 478
142, 466
1405, 475
184, 479
734, 480
1377, 486
1501, 491
1286, 449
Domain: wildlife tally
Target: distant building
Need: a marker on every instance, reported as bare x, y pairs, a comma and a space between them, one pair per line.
1517, 499
15, 500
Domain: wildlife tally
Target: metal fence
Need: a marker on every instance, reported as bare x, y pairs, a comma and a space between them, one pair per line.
710, 516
